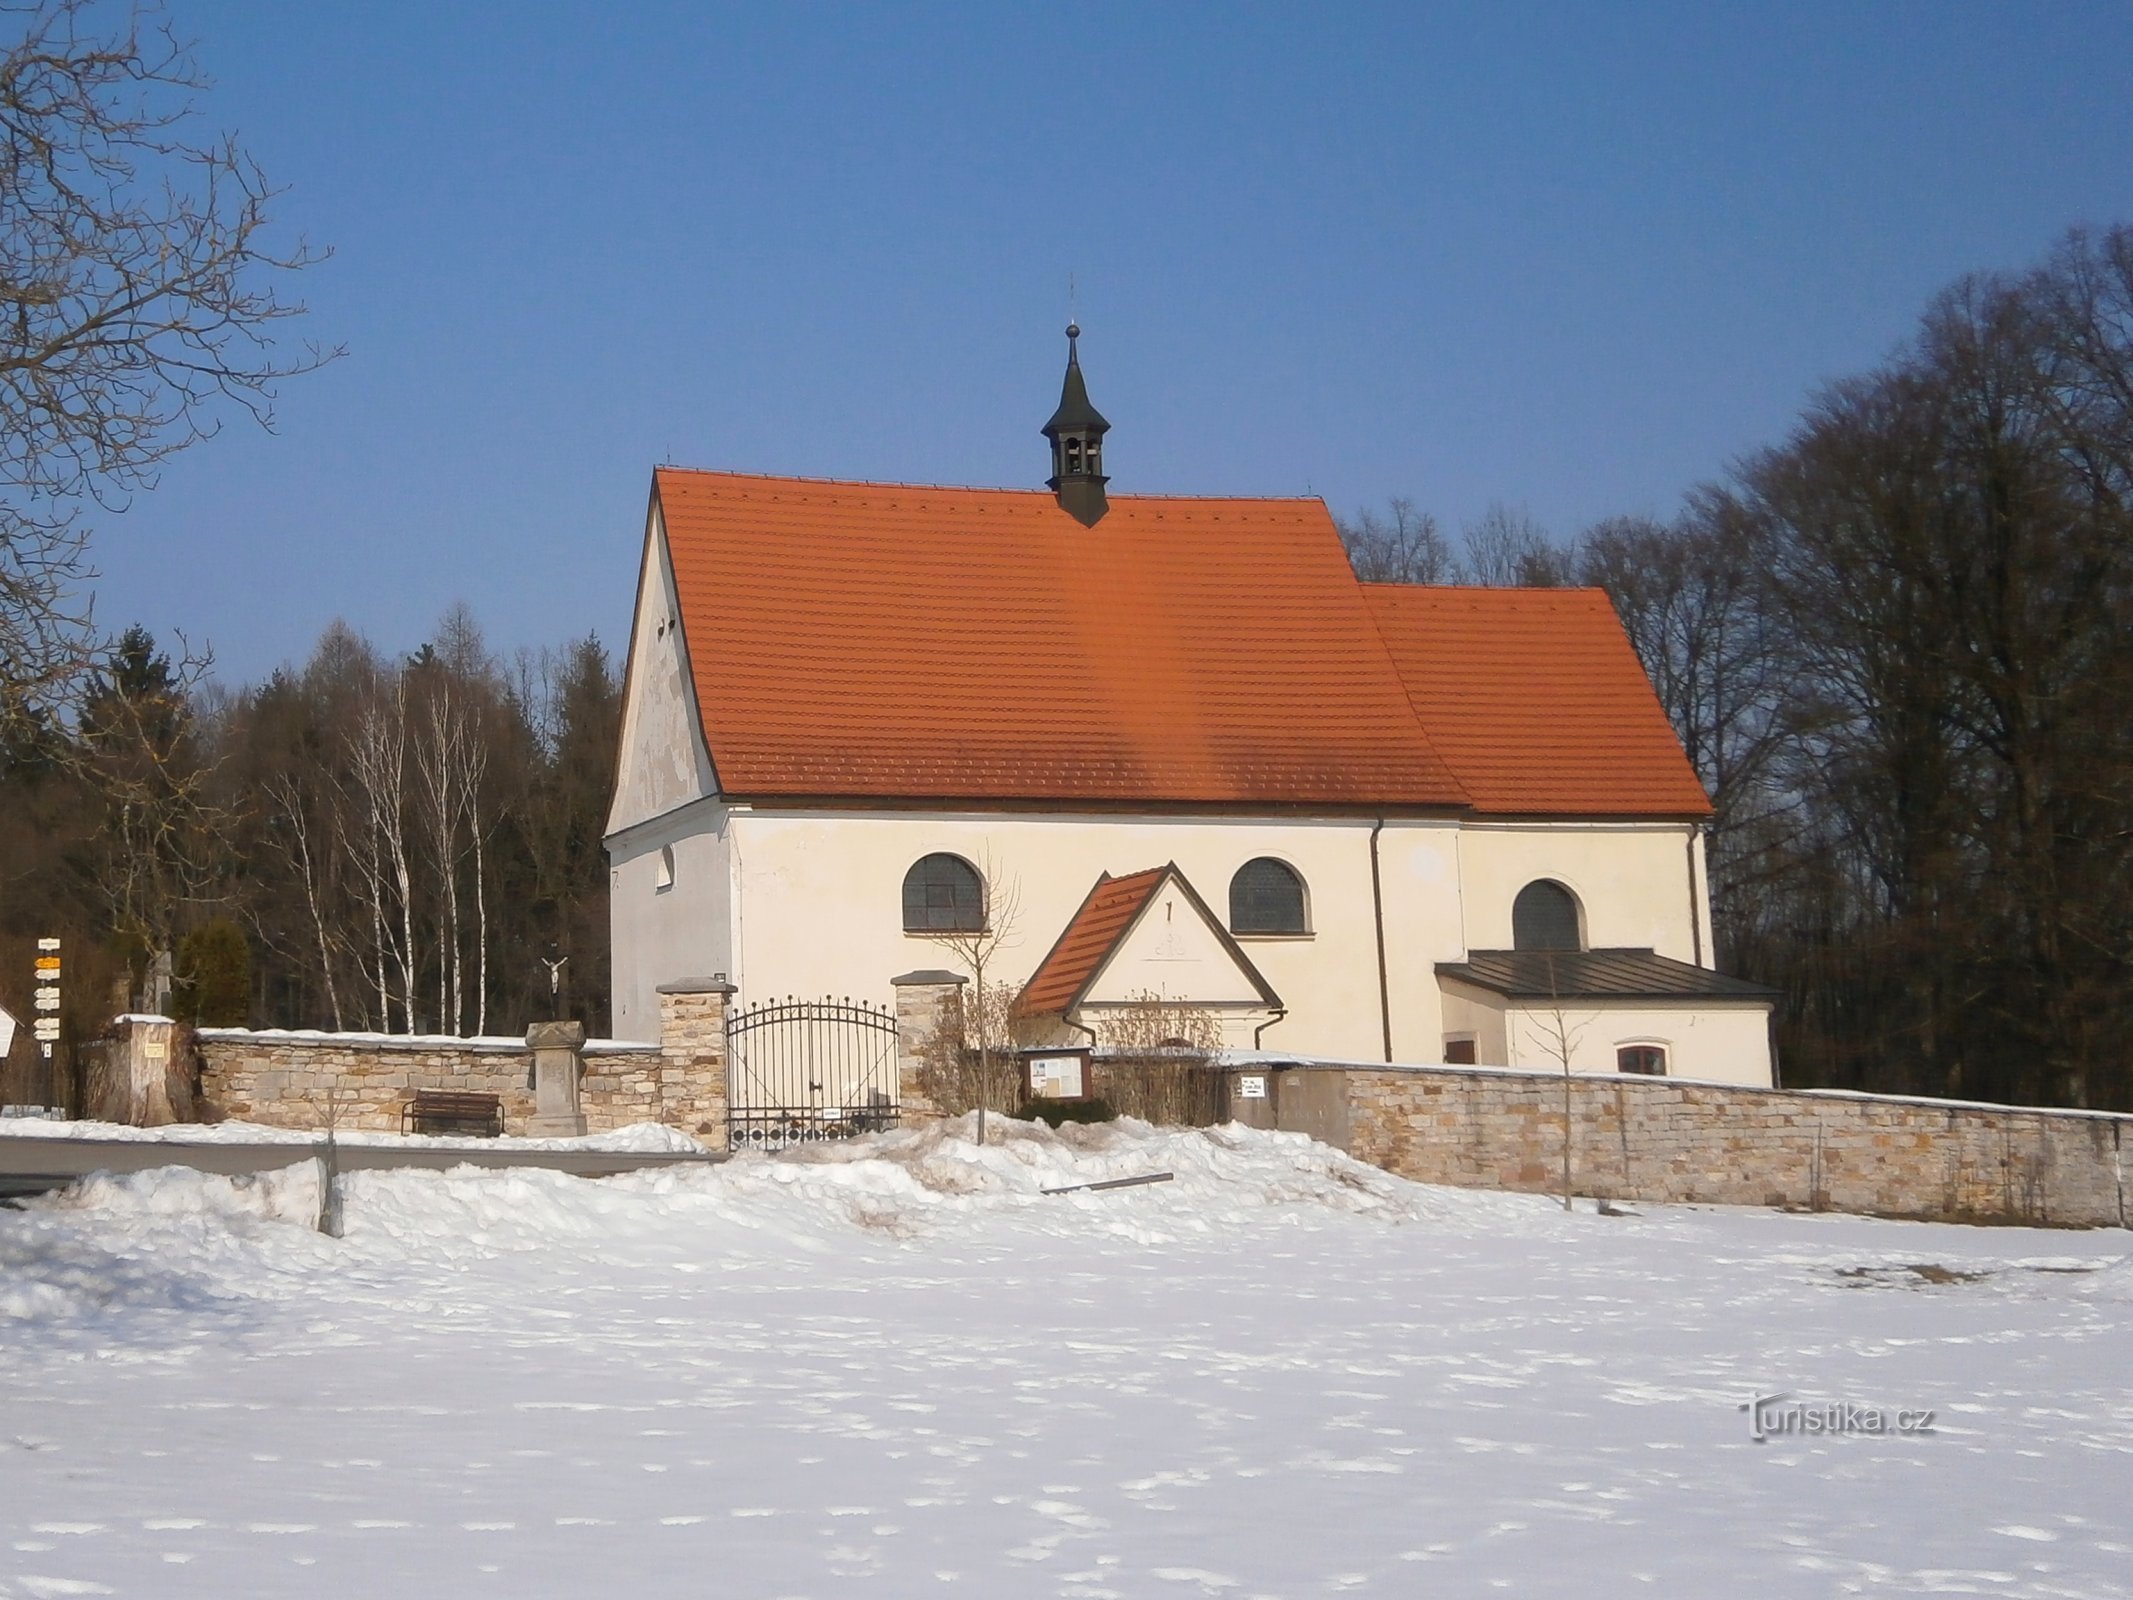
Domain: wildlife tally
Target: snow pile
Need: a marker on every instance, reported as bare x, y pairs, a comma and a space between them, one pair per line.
907, 1181
289, 1195
137, 1243
900, 1187
638, 1138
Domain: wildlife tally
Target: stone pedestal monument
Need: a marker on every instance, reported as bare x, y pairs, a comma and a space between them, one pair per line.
556, 1069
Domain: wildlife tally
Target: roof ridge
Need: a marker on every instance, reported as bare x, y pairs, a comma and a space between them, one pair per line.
1039, 492
1388, 587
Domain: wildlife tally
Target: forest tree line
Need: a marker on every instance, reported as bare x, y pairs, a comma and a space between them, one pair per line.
1898, 648
367, 842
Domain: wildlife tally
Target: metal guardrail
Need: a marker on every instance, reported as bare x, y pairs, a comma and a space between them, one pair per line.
30, 1165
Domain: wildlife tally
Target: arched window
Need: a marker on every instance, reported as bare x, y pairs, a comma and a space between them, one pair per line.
1545, 917
943, 894
1266, 896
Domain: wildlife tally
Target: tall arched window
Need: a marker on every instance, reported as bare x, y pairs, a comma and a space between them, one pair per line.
1545, 917
943, 894
1266, 896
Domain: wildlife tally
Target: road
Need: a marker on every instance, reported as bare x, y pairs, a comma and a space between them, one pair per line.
30, 1165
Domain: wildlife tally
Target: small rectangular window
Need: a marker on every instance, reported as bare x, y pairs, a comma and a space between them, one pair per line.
1646, 1060
1459, 1052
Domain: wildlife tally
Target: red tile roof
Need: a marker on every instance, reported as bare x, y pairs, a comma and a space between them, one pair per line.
1537, 701
899, 642
872, 640
1091, 934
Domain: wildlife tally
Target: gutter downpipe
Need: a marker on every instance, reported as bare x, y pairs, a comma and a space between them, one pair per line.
1695, 900
1259, 1032
1377, 911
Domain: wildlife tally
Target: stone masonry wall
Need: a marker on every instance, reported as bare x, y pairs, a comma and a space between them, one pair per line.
1665, 1140
284, 1079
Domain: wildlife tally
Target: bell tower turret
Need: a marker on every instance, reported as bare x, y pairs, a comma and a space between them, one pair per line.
1077, 432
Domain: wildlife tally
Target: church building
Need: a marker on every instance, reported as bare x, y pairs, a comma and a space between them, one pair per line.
1165, 746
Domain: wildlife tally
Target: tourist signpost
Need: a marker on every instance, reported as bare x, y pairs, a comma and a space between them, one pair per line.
44, 1022
46, 999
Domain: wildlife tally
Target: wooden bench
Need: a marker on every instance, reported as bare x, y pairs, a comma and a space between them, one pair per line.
479, 1116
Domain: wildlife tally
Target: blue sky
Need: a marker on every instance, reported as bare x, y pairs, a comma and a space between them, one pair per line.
1575, 258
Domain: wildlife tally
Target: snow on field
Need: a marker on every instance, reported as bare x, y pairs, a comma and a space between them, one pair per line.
896, 1368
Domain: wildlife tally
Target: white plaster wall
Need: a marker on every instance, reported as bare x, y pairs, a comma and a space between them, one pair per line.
810, 903
819, 900
662, 935
1448, 888
1720, 1044
1632, 880
1419, 872
663, 764
1475, 1011
819, 905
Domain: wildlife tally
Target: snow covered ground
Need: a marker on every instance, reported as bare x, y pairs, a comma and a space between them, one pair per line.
896, 1368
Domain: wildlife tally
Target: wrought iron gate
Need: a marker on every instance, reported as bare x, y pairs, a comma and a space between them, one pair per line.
800, 1071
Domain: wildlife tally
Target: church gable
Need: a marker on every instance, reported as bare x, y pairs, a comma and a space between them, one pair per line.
664, 763
1145, 935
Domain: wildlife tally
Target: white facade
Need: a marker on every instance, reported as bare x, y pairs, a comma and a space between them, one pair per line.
809, 903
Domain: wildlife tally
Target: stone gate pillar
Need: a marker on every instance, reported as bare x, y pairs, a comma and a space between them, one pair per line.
920, 999
141, 1081
692, 1055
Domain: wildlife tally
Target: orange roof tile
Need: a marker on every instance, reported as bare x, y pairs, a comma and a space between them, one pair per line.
1090, 935
1537, 700
894, 641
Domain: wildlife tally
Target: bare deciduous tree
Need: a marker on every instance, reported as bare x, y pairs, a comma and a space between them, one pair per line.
1556, 1032
1694, 597
138, 304
978, 949
1403, 545
1506, 548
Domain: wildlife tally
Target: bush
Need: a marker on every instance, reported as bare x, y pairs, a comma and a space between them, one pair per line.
1053, 1112
213, 986
948, 1071
1172, 1089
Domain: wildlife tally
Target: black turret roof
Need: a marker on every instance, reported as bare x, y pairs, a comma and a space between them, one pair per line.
1075, 414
